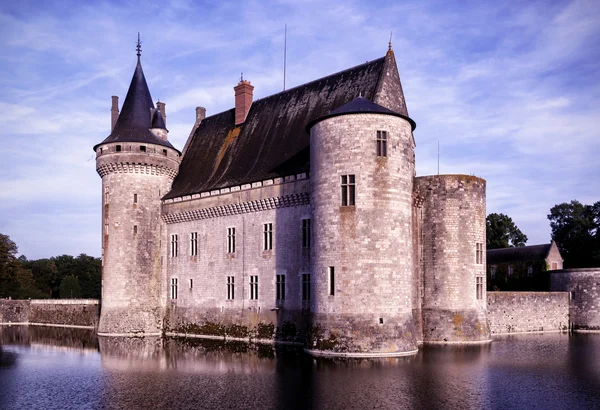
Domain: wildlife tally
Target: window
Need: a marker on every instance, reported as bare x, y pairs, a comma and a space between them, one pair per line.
479, 286
306, 286
331, 281
382, 143
105, 194
479, 253
554, 266
174, 249
106, 228
230, 287
530, 271
194, 243
174, 288
118, 148
230, 240
135, 198
142, 148
135, 229
280, 287
268, 237
348, 190
306, 233
253, 287
511, 270
191, 284
493, 271
165, 152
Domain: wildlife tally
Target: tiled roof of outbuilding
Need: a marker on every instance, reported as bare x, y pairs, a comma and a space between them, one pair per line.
518, 254
135, 118
273, 142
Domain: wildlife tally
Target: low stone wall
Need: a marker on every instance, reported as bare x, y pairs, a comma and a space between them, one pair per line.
51, 312
515, 312
584, 285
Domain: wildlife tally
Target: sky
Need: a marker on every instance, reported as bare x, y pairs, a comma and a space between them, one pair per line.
509, 89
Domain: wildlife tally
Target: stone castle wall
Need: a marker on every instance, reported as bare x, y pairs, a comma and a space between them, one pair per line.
584, 285
202, 305
52, 312
452, 228
133, 181
369, 244
516, 312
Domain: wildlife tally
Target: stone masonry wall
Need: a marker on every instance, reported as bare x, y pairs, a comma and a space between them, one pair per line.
56, 312
584, 285
515, 312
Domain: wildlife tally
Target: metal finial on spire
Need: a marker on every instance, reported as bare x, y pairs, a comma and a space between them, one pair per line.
390, 43
242, 77
139, 46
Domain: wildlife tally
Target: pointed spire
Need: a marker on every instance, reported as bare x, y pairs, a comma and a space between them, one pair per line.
139, 47
390, 43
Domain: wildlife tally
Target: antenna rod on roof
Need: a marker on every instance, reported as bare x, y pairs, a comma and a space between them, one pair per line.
284, 53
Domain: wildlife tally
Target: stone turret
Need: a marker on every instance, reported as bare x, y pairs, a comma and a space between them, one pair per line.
362, 169
137, 165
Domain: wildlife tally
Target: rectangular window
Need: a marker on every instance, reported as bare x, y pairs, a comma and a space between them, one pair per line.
230, 287
479, 285
530, 271
493, 271
554, 266
118, 148
164, 152
510, 270
268, 237
142, 148
479, 253
135, 198
135, 229
230, 240
306, 233
194, 243
382, 143
174, 285
105, 228
253, 287
280, 287
331, 281
306, 286
174, 248
106, 195
191, 284
348, 190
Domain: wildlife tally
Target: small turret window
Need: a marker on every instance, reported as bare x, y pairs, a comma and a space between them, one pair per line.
142, 148
118, 148
382, 137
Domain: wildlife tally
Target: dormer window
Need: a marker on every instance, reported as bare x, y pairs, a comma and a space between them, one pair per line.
118, 148
142, 148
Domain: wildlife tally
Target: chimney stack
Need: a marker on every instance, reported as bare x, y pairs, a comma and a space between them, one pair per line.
162, 109
114, 112
200, 114
243, 100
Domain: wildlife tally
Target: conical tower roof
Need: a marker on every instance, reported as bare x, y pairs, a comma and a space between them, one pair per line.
138, 115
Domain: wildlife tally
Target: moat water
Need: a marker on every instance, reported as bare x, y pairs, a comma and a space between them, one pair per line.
55, 368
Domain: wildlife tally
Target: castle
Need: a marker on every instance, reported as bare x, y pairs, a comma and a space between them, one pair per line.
296, 217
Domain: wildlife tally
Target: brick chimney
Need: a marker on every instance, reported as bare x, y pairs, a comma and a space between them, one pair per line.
200, 114
114, 112
162, 108
243, 100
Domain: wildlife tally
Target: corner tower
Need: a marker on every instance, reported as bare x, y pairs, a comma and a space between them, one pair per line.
362, 168
137, 165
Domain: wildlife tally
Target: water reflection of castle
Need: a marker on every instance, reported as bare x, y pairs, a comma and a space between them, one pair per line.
296, 216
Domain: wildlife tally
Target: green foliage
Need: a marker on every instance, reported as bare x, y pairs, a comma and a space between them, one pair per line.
576, 231
502, 232
69, 288
21, 278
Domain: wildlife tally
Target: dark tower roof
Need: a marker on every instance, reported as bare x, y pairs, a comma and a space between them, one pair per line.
360, 105
136, 117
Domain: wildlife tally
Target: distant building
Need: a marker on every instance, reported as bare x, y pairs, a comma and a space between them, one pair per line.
523, 267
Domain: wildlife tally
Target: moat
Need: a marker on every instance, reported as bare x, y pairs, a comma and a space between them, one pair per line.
51, 368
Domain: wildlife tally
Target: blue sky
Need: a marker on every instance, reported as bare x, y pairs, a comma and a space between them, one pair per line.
511, 91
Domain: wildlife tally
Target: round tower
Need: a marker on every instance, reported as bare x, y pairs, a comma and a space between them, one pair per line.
137, 165
452, 233
361, 177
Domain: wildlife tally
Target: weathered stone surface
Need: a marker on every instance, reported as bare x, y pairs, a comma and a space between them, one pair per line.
61, 312
514, 312
584, 285
14, 311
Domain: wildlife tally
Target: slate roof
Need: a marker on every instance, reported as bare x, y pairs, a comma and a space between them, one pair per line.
137, 115
273, 141
518, 254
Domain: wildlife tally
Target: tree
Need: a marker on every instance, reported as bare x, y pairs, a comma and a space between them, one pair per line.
502, 232
576, 231
69, 288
